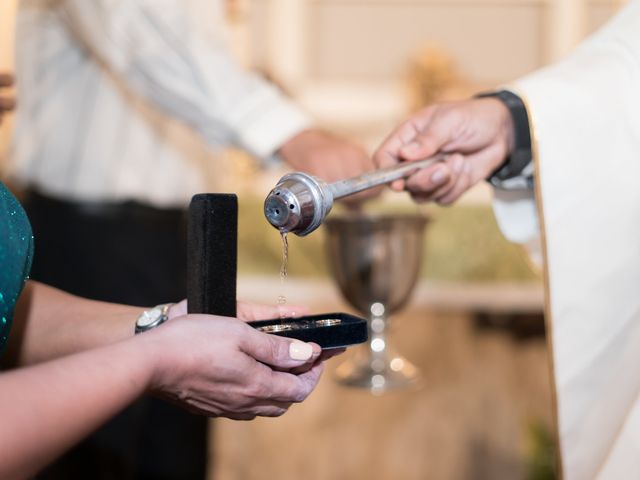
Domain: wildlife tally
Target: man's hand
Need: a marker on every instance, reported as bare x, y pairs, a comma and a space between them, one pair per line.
328, 157
6, 103
477, 134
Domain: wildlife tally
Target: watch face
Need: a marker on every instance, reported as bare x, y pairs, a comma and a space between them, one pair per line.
149, 317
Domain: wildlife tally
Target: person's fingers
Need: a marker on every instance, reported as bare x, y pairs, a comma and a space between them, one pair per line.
269, 409
324, 356
286, 387
428, 180
434, 186
6, 79
476, 168
7, 104
389, 152
311, 377
265, 411
398, 185
462, 184
309, 374
442, 129
265, 408
278, 352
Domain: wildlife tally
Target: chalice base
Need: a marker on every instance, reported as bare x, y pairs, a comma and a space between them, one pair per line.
379, 373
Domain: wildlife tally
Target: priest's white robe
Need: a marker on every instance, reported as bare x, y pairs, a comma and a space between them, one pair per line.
585, 118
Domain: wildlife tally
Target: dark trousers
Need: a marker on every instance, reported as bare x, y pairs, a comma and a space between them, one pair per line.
132, 254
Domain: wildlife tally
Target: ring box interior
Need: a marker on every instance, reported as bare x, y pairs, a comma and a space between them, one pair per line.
212, 265
329, 330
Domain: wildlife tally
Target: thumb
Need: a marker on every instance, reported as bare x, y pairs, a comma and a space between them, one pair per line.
279, 352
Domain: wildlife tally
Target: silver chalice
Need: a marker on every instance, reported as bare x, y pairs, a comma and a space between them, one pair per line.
375, 260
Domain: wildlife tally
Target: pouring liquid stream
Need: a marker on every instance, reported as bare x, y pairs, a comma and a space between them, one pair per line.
282, 299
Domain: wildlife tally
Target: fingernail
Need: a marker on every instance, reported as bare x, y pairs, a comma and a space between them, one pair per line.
300, 351
439, 176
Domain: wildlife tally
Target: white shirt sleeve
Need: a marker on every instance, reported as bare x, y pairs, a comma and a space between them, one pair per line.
172, 54
514, 207
516, 214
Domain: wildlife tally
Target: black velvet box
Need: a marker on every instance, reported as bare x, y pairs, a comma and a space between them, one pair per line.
212, 264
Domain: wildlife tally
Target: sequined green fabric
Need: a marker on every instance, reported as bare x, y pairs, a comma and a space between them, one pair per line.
16, 252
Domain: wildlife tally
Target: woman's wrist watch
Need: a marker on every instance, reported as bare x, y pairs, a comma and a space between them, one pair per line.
152, 318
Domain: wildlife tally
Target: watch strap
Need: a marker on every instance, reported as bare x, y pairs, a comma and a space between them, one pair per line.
521, 156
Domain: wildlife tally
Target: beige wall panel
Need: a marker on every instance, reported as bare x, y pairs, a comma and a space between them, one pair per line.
492, 42
258, 25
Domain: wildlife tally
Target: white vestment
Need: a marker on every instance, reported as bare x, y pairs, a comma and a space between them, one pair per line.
585, 116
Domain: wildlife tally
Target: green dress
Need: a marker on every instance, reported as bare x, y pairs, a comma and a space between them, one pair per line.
16, 252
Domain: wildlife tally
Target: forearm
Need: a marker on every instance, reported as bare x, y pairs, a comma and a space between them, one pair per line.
50, 323
49, 407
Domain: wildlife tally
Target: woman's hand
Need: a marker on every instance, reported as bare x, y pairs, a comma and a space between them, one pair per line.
219, 366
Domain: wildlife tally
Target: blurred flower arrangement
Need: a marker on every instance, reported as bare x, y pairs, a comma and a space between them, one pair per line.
433, 75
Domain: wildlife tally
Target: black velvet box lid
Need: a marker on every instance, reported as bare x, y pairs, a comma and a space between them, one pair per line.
212, 254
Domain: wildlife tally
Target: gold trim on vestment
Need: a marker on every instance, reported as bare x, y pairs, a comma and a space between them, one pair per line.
545, 267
